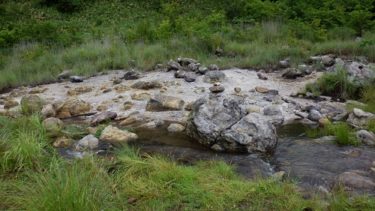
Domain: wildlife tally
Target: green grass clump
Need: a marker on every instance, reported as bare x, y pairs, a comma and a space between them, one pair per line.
342, 131
23, 143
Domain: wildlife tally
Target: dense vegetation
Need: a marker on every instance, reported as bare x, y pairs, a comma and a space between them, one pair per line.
40, 38
33, 177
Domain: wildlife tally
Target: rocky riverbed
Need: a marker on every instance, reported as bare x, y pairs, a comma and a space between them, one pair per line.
192, 113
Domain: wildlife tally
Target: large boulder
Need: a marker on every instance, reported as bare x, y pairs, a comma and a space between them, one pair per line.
164, 103
116, 136
71, 107
360, 74
222, 123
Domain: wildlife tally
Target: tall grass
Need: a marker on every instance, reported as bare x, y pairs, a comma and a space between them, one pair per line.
23, 144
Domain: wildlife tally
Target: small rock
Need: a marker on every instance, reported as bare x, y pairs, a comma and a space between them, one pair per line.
360, 113
284, 63
190, 77
48, 111
292, 73
214, 76
328, 60
179, 74
141, 96
64, 75
128, 121
121, 88
127, 105
116, 136
164, 103
175, 128
186, 61
103, 117
76, 79
172, 65
202, 70
217, 88
366, 137
237, 90
213, 67
62, 142
116, 81
132, 75
194, 67
314, 115
53, 126
261, 89
147, 85
262, 76
87, 142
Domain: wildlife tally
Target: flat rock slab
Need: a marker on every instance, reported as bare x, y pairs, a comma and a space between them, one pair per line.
314, 163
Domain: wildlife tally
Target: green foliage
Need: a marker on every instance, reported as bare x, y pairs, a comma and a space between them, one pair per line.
335, 84
23, 144
342, 131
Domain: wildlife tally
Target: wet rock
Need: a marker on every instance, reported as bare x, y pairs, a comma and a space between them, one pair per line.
217, 88
179, 74
48, 111
79, 90
220, 122
62, 142
53, 126
141, 96
190, 77
132, 75
314, 115
214, 76
103, 117
292, 73
164, 103
116, 136
88, 142
10, 103
172, 65
354, 180
359, 118
127, 105
284, 63
319, 162
328, 60
147, 85
76, 79
31, 104
366, 137
175, 128
64, 75
262, 76
213, 67
152, 124
72, 107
